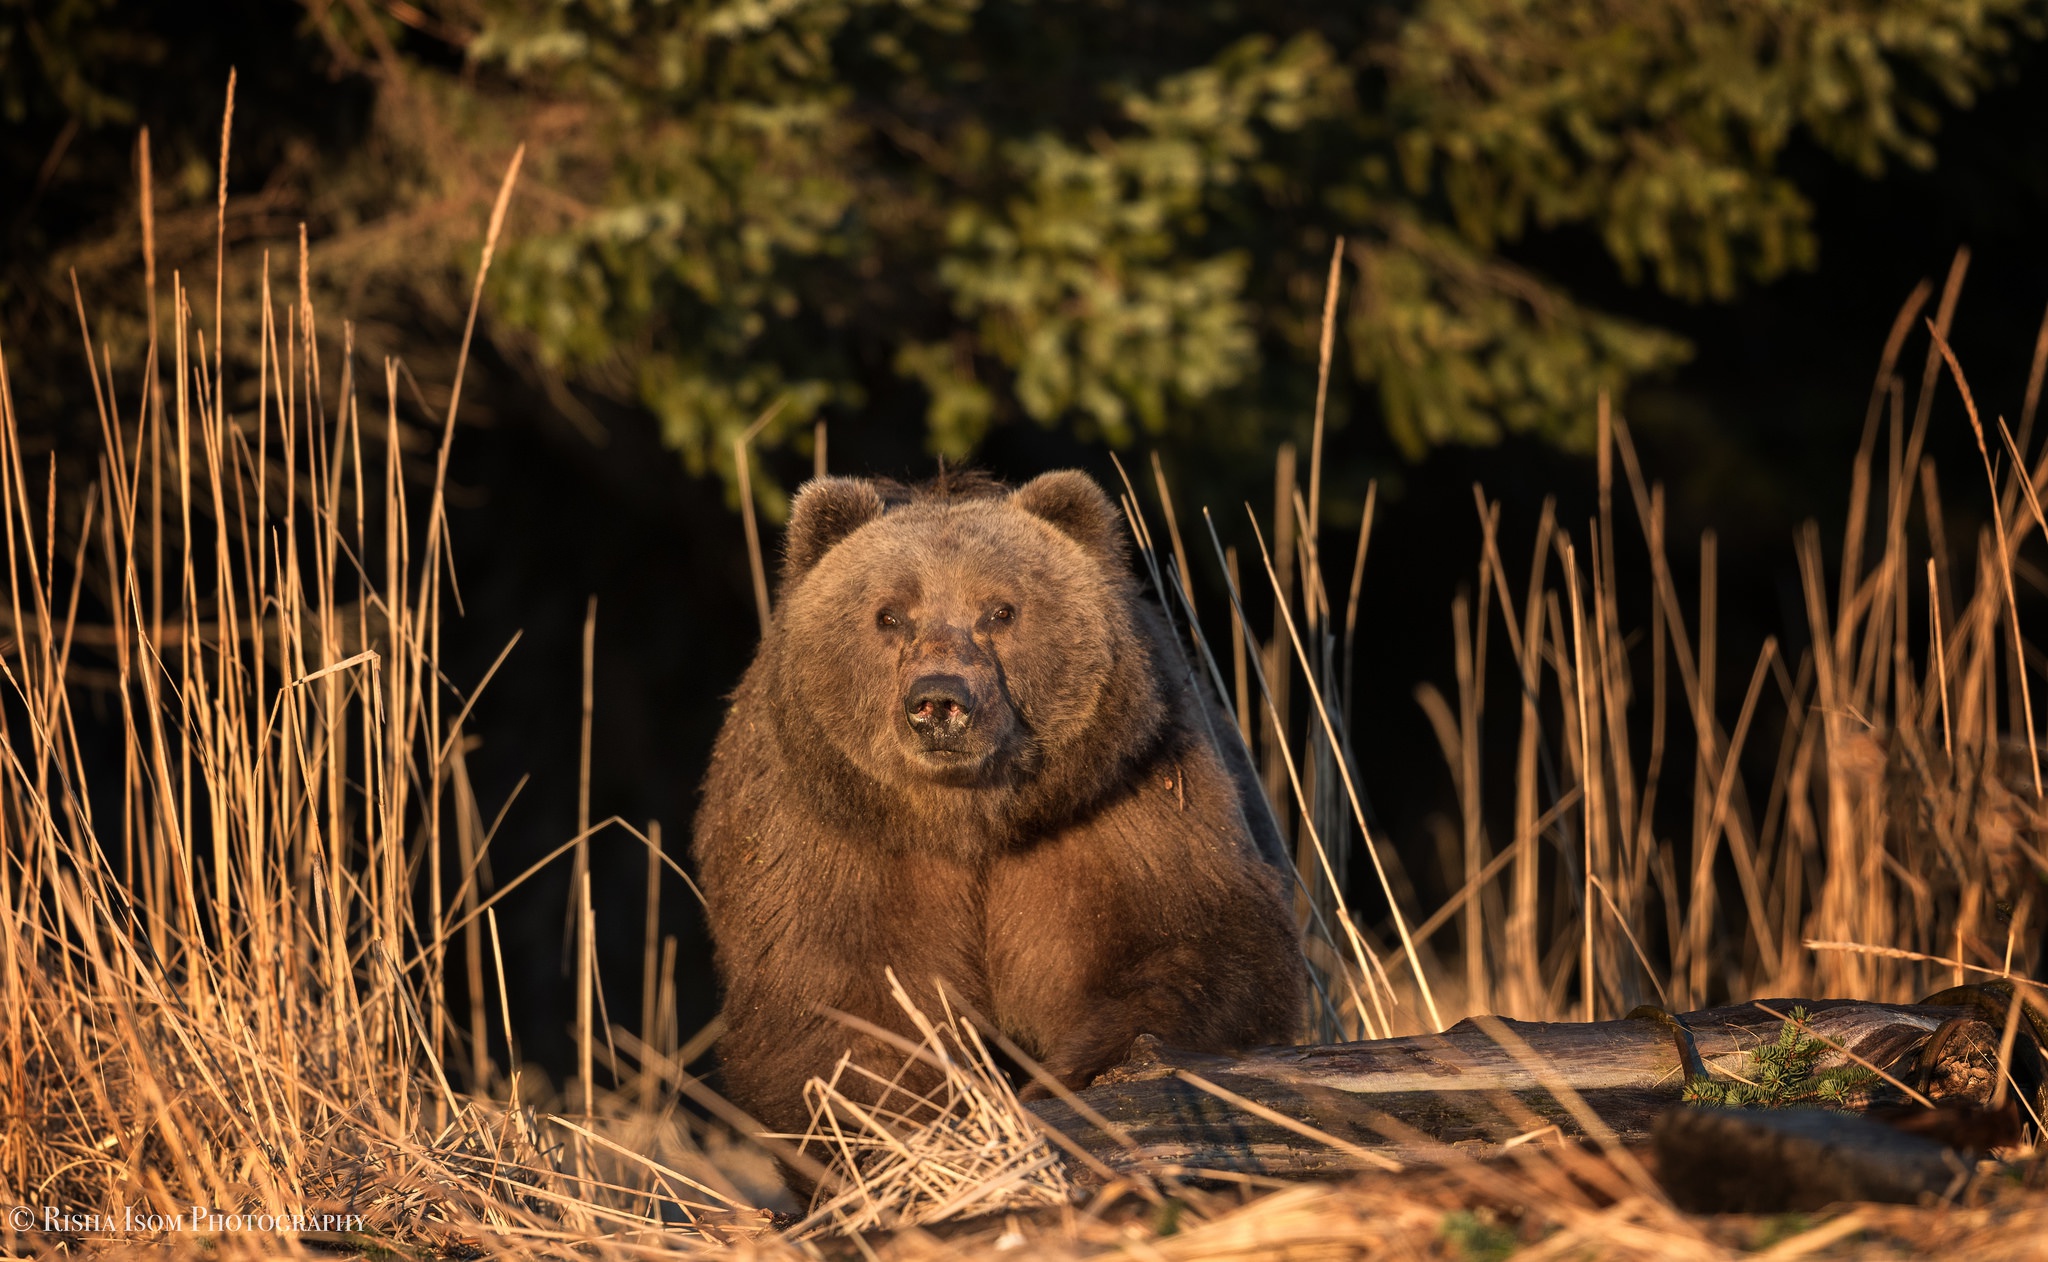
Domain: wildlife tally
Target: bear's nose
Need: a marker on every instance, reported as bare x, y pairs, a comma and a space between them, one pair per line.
939, 706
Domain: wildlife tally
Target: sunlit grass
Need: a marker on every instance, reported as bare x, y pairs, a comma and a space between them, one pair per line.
225, 967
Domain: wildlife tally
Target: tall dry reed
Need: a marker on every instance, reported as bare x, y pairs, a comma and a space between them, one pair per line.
1895, 846
241, 856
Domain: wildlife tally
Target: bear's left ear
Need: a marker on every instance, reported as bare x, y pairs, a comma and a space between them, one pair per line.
1075, 505
825, 511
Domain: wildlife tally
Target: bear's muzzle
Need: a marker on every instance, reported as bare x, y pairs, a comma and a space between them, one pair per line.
940, 709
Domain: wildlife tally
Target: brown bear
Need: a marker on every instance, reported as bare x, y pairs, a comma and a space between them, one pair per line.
968, 749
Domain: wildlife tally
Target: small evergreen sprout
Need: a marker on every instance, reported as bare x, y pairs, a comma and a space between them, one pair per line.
1781, 1074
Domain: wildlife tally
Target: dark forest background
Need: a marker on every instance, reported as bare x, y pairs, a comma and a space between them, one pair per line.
1029, 233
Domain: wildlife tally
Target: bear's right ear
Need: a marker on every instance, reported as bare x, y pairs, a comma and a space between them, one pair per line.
825, 511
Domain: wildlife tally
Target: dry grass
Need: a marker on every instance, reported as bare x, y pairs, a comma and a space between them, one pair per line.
223, 972
1904, 810
225, 968
1439, 1217
966, 1148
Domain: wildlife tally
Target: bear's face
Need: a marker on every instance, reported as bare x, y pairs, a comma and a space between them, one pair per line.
953, 643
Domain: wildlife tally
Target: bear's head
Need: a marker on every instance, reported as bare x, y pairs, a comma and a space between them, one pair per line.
960, 652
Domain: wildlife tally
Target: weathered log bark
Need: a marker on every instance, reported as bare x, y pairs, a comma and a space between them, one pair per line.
1410, 1099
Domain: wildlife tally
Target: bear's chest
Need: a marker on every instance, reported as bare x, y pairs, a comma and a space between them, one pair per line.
924, 917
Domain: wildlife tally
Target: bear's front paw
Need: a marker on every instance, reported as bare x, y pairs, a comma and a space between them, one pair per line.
1064, 1073
1145, 1061
1091, 1058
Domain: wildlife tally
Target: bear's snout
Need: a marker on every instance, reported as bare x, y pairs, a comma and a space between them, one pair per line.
939, 708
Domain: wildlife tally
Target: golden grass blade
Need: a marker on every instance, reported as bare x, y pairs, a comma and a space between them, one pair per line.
1366, 960
1378, 1160
1351, 793
1948, 742
2004, 556
1324, 353
1180, 552
744, 477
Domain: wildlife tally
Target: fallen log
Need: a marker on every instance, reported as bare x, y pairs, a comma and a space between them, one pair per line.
1483, 1086
1753, 1161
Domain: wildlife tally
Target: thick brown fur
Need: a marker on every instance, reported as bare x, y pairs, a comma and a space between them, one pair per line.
1050, 831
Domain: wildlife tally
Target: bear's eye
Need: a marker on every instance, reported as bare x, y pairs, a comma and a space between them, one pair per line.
1004, 613
885, 620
